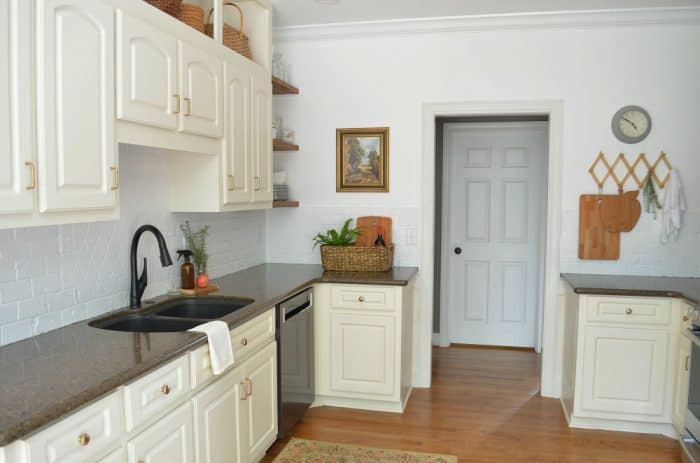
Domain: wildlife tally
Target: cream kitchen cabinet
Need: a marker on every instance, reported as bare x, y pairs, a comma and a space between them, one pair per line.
118, 456
682, 371
262, 138
201, 78
17, 164
363, 346
622, 362
170, 440
77, 147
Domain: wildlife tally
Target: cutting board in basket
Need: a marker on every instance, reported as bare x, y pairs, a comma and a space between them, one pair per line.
368, 227
594, 239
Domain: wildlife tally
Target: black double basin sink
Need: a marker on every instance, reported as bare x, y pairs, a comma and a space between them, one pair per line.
172, 315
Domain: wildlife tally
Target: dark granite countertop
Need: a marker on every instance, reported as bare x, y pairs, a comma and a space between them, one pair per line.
48, 376
629, 285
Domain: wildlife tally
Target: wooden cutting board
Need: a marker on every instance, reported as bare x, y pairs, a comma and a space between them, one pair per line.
212, 288
368, 226
620, 212
594, 239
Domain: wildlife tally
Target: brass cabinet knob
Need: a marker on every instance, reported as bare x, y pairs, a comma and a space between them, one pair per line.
244, 342
84, 439
165, 389
361, 299
628, 311
685, 318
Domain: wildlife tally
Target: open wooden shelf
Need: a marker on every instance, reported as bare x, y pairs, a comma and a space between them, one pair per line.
279, 145
276, 204
280, 87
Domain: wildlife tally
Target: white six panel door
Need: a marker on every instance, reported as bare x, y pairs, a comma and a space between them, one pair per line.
200, 88
75, 90
495, 176
262, 138
237, 143
146, 74
15, 130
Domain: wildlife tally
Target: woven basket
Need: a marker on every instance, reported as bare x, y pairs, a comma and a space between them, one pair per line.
357, 259
234, 38
193, 16
172, 7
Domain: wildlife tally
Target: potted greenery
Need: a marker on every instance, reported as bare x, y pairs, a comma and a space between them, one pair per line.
339, 253
197, 243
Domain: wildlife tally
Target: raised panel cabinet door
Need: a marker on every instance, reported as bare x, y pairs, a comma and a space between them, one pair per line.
169, 440
262, 138
146, 74
17, 169
77, 149
363, 354
237, 170
217, 415
200, 89
624, 370
680, 392
260, 414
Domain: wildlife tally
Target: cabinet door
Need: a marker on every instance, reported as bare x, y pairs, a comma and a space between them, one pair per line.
262, 138
363, 354
170, 440
237, 142
217, 413
16, 176
680, 392
146, 74
200, 88
260, 417
75, 92
624, 370
118, 456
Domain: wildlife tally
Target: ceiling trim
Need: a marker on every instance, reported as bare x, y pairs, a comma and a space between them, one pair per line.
519, 21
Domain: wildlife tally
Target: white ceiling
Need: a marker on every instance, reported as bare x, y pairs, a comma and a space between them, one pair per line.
307, 12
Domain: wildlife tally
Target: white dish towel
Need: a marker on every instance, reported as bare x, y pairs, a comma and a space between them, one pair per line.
674, 207
220, 347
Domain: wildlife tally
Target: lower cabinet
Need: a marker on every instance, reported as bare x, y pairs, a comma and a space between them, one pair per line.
118, 456
259, 418
169, 440
680, 395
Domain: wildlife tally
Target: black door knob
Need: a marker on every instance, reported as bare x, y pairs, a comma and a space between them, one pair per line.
458, 250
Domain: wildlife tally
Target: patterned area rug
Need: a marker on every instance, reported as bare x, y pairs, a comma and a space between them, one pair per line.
311, 451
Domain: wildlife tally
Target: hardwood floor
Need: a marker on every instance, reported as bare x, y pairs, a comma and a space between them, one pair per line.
483, 407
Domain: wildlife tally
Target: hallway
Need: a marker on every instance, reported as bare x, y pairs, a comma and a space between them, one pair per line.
483, 407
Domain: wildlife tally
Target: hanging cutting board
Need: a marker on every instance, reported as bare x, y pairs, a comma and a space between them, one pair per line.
594, 239
368, 226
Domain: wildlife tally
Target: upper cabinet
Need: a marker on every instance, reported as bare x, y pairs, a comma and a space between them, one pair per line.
147, 90
200, 87
262, 136
237, 155
17, 168
77, 149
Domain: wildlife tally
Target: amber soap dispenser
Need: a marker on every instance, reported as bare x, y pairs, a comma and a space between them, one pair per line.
187, 269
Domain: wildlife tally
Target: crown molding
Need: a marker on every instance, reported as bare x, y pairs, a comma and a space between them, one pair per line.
520, 21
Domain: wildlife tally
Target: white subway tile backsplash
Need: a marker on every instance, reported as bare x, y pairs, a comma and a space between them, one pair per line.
57, 275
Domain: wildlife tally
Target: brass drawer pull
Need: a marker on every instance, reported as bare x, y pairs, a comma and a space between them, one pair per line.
244, 342
361, 299
165, 389
115, 171
84, 439
188, 106
232, 183
177, 104
249, 387
32, 171
628, 311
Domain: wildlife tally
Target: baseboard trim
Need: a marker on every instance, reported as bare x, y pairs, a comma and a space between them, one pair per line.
360, 404
665, 429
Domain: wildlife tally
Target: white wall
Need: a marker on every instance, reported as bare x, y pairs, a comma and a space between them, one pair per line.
384, 80
54, 276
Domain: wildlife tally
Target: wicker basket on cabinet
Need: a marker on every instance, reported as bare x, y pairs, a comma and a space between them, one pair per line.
172, 7
193, 16
357, 258
233, 38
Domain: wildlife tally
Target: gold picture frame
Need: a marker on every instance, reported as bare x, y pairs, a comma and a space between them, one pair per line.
362, 160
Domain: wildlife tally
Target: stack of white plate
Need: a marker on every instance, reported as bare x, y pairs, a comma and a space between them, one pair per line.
280, 192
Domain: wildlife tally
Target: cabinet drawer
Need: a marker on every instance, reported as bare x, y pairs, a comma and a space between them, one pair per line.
629, 310
253, 335
246, 339
156, 392
83, 436
170, 440
363, 297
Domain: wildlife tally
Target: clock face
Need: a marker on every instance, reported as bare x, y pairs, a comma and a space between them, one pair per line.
631, 124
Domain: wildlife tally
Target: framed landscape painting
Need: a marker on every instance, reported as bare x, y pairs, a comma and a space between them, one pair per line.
362, 160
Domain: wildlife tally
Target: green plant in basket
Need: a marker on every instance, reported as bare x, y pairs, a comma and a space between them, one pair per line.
345, 237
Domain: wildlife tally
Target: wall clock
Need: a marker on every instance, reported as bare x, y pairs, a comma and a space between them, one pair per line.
631, 124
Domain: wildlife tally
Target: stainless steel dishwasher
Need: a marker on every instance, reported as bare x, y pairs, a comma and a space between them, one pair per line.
295, 354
